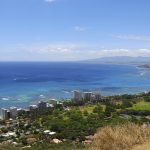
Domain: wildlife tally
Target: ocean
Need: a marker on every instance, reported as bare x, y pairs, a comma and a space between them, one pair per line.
24, 83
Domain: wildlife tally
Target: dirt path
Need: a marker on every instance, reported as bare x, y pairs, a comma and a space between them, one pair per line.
145, 146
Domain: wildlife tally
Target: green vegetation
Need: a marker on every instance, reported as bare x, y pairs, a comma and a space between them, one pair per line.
46, 146
142, 105
73, 122
62, 146
9, 147
147, 98
88, 108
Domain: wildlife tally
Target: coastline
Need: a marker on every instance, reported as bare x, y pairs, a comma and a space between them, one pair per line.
57, 81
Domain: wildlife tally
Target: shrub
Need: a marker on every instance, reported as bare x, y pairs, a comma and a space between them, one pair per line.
147, 98
127, 104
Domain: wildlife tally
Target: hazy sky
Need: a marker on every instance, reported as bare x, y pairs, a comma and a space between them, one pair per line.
51, 30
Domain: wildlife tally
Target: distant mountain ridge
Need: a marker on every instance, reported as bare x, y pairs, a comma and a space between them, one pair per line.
121, 60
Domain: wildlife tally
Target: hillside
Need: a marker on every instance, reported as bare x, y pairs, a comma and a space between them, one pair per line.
121, 60
114, 121
122, 137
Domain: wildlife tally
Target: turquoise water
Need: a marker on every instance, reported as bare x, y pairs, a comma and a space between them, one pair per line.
25, 83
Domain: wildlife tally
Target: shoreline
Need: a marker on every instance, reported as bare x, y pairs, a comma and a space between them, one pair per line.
62, 100
46, 98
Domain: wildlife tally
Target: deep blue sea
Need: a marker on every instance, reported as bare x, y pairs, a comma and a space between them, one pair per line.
24, 83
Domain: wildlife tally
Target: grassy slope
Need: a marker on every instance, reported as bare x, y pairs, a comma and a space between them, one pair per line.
141, 106
62, 146
8, 147
46, 146
90, 108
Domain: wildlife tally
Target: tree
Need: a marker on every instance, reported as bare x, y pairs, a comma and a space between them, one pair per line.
24, 141
109, 110
98, 109
85, 112
147, 98
127, 104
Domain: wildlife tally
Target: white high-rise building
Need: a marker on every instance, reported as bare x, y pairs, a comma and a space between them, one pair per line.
4, 114
13, 112
77, 95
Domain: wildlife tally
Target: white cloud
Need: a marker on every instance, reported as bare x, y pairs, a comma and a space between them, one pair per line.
50, 1
79, 28
66, 52
133, 37
56, 48
123, 52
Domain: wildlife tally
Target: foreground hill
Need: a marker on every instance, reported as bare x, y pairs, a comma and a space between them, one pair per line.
122, 137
